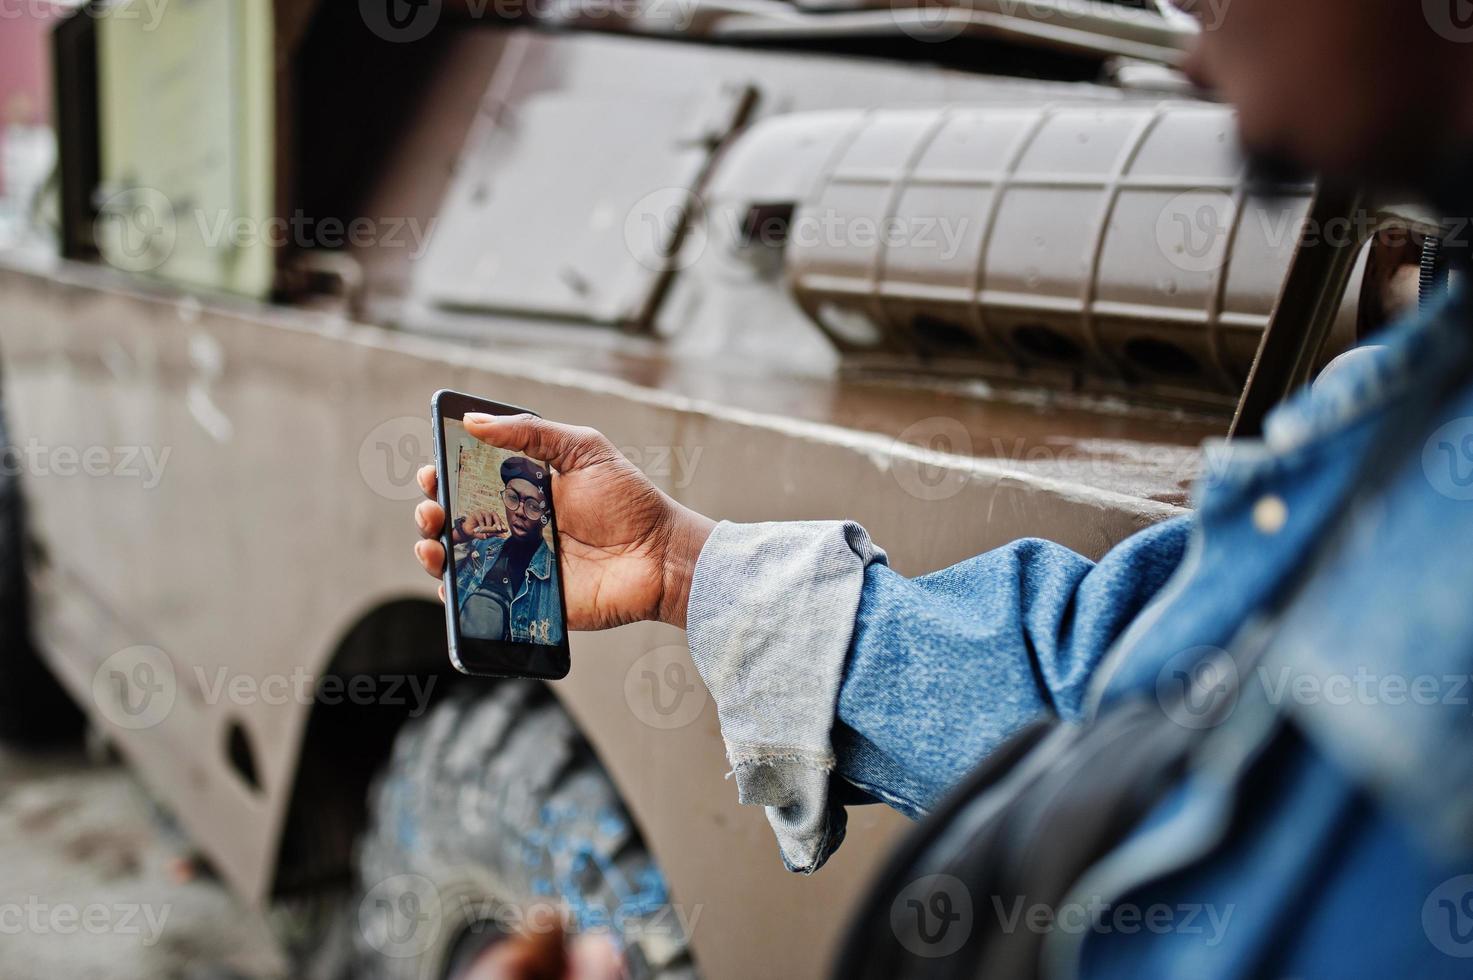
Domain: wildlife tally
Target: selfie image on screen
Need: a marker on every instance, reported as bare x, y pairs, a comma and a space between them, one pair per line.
506, 577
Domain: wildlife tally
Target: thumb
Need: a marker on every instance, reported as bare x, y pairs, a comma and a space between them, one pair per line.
564, 447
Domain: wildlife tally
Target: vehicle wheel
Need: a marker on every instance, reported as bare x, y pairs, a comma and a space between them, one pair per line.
34, 710
491, 809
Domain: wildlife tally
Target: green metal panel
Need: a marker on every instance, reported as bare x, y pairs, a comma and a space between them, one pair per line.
187, 150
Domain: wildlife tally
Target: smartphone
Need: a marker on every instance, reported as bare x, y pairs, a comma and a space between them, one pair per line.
504, 606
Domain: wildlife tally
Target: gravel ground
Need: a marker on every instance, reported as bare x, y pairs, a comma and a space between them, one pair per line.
93, 883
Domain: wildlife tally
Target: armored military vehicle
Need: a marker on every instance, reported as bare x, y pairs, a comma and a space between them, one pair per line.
963, 273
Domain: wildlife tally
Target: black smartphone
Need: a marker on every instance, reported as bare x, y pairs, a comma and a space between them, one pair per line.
504, 606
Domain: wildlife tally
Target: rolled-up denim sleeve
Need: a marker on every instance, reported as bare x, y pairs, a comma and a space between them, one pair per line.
825, 663
943, 668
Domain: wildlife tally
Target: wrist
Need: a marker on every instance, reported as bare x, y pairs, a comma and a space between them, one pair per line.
687, 536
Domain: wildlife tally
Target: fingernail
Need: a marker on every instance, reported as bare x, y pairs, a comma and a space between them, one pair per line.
479, 418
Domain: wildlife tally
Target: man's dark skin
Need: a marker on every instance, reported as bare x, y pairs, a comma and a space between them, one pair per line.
482, 524
1364, 90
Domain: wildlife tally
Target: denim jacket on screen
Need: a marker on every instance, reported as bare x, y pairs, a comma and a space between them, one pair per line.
536, 610
1351, 743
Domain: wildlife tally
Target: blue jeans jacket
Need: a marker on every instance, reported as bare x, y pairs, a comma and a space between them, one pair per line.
1327, 828
536, 610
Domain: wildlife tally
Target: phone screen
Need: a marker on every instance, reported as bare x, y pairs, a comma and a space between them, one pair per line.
503, 543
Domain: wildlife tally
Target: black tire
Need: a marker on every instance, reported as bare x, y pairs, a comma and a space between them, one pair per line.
492, 805
34, 710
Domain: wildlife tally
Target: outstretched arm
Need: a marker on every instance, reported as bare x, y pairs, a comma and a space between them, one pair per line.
820, 659
824, 661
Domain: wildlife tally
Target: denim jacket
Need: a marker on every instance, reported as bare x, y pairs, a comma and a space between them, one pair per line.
1351, 742
536, 610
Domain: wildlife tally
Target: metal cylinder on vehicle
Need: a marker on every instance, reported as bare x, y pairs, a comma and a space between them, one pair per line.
1116, 242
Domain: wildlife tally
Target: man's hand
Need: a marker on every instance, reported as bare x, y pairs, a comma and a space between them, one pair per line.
627, 550
478, 525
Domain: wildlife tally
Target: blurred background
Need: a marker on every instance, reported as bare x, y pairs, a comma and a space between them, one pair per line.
963, 271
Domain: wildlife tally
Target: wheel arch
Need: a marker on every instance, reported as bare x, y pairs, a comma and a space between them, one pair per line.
344, 744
